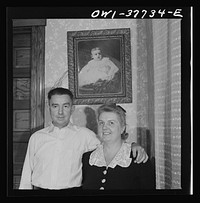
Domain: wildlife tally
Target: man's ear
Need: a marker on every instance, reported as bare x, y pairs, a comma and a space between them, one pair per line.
48, 105
72, 109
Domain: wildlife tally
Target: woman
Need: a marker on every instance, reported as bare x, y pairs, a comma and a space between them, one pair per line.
111, 165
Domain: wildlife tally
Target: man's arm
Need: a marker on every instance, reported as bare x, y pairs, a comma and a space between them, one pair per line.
92, 140
25, 182
139, 151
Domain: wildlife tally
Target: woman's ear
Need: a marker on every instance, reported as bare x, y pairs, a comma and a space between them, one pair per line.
123, 129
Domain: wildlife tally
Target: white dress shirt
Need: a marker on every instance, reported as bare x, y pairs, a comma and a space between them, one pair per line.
54, 157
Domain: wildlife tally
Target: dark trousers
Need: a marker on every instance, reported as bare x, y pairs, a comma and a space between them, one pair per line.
39, 188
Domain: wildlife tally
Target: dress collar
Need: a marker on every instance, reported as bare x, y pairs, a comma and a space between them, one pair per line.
122, 158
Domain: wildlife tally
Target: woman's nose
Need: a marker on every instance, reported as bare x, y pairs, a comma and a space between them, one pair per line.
104, 126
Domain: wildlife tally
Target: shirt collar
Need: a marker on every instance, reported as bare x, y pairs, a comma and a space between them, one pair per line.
52, 127
122, 158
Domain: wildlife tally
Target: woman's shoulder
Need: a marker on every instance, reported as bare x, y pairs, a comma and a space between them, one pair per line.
87, 154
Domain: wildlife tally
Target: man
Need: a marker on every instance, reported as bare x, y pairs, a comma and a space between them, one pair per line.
54, 153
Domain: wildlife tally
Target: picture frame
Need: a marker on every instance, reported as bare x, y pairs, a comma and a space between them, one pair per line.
106, 79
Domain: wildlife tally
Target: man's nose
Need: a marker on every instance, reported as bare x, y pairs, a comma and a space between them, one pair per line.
60, 110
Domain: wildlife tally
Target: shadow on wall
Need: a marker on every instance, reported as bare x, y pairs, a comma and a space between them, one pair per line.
144, 139
91, 119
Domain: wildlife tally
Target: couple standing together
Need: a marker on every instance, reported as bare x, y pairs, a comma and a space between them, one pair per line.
64, 156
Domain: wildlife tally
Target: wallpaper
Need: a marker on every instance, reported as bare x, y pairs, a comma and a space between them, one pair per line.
56, 68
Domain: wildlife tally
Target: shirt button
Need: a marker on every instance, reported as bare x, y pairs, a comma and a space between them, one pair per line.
103, 180
101, 188
104, 172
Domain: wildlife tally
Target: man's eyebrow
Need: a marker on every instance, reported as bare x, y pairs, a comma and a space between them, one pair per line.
109, 120
54, 103
68, 103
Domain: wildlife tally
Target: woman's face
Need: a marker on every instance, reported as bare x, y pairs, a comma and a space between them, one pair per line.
110, 127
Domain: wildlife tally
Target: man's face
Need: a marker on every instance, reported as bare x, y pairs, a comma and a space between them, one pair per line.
61, 108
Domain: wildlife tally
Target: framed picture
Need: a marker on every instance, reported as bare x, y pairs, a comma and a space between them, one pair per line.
99, 66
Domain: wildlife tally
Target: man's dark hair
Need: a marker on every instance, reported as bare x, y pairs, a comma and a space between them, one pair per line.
60, 91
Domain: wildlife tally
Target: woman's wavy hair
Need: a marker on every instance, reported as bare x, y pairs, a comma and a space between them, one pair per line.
121, 112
